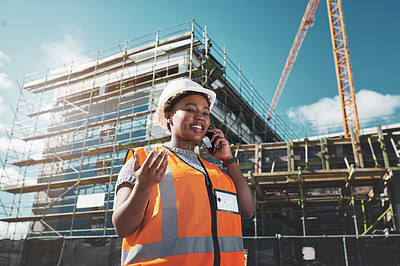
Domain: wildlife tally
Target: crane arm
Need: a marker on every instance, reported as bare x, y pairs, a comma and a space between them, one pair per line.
298, 40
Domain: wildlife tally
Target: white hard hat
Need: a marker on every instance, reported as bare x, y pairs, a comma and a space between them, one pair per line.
173, 89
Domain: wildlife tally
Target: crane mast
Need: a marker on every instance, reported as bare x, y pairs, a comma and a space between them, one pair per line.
341, 57
343, 68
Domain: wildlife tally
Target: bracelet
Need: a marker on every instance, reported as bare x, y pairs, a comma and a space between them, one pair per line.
229, 161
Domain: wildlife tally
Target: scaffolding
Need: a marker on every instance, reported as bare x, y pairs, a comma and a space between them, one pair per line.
74, 123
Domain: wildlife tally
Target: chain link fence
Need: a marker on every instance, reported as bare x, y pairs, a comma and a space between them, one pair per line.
323, 250
260, 251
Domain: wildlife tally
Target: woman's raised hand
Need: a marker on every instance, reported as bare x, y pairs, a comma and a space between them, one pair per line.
152, 170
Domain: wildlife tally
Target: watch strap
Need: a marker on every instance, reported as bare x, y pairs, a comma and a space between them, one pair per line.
229, 161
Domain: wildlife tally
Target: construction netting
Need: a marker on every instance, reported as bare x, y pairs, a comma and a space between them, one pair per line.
61, 251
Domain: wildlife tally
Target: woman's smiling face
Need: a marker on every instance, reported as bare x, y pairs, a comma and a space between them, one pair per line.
189, 119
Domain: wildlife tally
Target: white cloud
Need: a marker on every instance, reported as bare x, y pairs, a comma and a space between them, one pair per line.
9, 176
5, 82
19, 146
1, 105
372, 104
64, 51
327, 111
16, 143
3, 128
14, 230
4, 59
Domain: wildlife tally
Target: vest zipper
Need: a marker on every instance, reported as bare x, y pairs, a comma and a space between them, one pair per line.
213, 206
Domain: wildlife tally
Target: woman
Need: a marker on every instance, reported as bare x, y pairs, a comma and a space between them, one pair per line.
173, 208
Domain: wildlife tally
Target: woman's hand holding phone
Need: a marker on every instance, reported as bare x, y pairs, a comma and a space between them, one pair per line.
219, 147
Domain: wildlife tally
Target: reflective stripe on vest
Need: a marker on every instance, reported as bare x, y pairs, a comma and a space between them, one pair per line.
180, 246
172, 245
168, 202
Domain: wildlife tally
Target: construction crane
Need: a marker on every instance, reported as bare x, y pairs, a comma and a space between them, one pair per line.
341, 57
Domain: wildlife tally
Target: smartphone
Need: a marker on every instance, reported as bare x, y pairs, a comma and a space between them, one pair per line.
207, 141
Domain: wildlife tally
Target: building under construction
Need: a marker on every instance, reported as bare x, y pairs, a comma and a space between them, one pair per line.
73, 125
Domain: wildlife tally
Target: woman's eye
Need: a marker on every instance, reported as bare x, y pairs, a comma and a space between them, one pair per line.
206, 114
190, 110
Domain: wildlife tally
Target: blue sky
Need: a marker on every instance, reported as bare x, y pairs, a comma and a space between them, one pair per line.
35, 35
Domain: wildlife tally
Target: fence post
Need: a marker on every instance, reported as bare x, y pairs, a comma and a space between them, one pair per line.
278, 237
255, 214
345, 251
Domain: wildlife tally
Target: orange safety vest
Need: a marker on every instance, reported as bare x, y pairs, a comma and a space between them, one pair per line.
182, 225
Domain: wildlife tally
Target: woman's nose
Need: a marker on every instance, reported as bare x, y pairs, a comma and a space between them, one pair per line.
199, 116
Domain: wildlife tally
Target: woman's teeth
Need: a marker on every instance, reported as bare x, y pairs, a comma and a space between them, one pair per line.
197, 128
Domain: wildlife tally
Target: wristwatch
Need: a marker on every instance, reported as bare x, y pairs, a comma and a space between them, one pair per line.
229, 161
